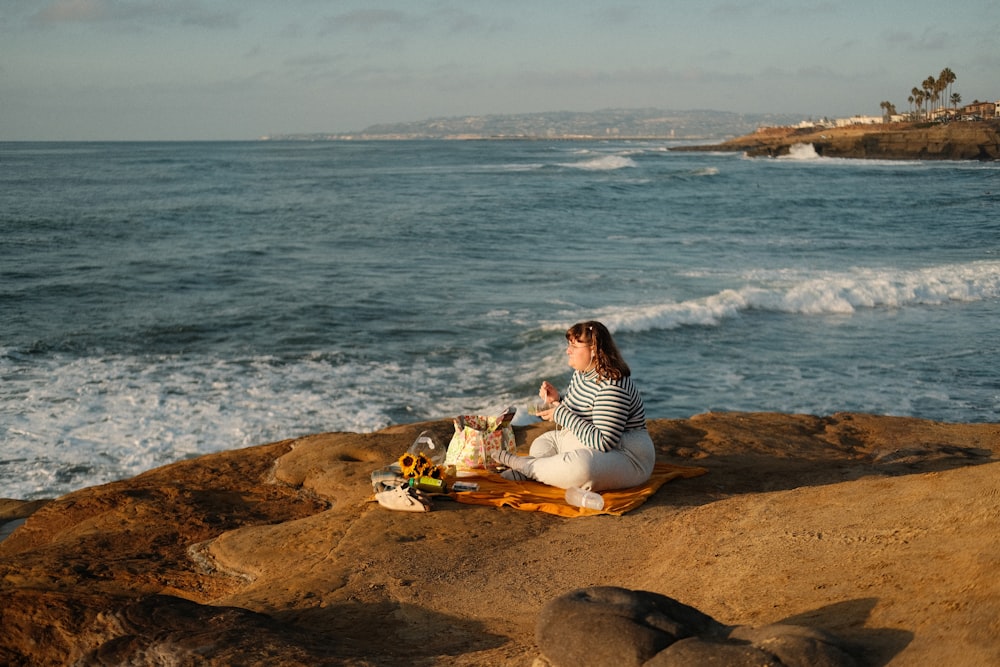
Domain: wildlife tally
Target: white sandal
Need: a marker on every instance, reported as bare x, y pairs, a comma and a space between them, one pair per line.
403, 499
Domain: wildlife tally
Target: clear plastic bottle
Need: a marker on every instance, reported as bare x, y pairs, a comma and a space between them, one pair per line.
424, 444
588, 499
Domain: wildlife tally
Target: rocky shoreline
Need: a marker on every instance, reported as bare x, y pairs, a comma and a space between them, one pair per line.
868, 538
964, 140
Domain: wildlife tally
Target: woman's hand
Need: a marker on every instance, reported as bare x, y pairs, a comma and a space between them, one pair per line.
548, 392
547, 413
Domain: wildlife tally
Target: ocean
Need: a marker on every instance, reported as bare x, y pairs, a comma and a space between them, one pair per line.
160, 301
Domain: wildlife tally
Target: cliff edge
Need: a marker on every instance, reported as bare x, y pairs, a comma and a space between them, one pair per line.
964, 140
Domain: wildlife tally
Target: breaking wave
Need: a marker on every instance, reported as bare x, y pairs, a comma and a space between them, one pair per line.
801, 152
602, 163
828, 293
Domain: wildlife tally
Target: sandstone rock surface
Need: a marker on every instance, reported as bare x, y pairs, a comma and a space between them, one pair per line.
879, 531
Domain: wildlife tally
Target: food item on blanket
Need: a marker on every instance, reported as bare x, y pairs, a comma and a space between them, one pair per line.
586, 499
540, 406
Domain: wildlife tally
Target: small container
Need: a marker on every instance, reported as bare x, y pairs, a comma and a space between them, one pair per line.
587, 499
464, 486
425, 444
428, 484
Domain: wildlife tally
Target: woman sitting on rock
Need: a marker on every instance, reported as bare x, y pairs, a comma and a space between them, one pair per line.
603, 443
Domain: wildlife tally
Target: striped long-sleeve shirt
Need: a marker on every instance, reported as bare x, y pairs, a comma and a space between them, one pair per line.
599, 411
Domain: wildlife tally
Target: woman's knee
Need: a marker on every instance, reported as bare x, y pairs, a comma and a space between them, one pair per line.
544, 445
571, 469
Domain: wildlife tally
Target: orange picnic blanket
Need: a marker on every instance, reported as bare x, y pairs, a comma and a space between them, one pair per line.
536, 497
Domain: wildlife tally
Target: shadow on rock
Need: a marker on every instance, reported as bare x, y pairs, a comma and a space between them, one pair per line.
42, 628
874, 646
748, 453
618, 627
390, 632
48, 628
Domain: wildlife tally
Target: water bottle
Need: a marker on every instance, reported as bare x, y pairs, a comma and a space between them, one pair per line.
588, 499
424, 444
428, 484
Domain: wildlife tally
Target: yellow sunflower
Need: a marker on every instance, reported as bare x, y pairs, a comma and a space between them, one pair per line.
408, 464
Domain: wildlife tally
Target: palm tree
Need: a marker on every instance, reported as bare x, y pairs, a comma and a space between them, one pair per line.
919, 96
948, 77
889, 110
930, 92
956, 99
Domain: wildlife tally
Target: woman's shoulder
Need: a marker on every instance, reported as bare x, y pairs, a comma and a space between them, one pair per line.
623, 382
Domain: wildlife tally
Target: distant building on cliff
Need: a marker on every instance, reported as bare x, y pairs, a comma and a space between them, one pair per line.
979, 110
858, 120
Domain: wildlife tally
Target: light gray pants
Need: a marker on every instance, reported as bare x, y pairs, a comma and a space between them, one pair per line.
561, 460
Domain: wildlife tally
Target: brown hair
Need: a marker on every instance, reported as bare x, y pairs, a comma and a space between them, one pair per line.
608, 360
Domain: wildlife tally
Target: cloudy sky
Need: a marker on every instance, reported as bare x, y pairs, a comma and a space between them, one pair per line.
239, 69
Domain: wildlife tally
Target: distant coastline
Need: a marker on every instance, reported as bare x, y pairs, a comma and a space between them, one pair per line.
959, 140
610, 124
767, 135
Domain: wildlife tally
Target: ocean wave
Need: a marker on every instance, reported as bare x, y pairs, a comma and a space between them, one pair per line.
807, 153
824, 293
91, 420
801, 152
529, 166
603, 163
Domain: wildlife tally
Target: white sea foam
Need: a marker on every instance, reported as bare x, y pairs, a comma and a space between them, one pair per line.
817, 293
801, 152
514, 168
99, 419
603, 163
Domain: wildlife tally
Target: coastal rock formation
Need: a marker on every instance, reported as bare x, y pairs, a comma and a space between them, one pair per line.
617, 627
959, 140
880, 531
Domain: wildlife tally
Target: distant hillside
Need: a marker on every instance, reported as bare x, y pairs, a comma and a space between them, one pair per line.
604, 124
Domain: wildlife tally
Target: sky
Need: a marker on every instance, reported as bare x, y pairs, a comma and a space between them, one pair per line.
94, 70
